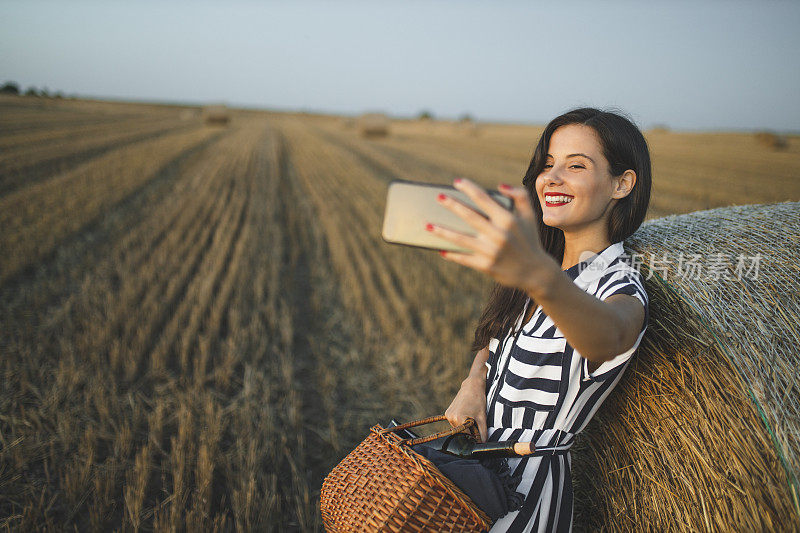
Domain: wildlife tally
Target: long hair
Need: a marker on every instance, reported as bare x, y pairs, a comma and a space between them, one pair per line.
624, 147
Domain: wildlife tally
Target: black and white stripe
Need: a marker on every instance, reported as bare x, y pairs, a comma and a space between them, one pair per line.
539, 389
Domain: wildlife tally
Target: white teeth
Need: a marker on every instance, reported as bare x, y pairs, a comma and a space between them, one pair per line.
558, 199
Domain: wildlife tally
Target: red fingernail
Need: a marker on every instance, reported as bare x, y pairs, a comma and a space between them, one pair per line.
429, 227
505, 186
457, 180
442, 196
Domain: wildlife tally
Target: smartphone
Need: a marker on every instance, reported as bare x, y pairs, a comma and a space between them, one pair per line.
410, 205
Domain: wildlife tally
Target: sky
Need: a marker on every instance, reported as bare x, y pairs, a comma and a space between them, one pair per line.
713, 65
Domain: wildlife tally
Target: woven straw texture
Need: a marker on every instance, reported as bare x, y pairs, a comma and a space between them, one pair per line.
703, 431
383, 486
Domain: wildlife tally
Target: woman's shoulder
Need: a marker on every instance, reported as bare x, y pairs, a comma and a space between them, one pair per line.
621, 277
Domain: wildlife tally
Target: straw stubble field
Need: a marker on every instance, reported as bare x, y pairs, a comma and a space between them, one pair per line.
198, 322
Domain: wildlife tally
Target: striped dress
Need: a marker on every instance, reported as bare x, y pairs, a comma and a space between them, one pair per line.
539, 389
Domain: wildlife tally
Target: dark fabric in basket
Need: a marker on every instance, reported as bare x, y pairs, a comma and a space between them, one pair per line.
488, 482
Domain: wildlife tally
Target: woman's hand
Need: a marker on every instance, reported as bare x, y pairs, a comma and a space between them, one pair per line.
470, 402
507, 245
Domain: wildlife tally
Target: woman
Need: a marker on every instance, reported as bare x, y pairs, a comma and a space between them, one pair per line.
567, 311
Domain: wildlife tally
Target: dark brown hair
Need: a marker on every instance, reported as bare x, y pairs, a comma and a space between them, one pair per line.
624, 147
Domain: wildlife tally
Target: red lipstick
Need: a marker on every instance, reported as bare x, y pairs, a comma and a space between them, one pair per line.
556, 194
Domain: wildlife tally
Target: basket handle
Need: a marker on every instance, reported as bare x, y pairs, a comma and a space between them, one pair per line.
468, 424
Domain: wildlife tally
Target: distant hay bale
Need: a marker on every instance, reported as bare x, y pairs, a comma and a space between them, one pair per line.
188, 114
465, 125
659, 128
216, 115
373, 125
348, 123
772, 140
703, 430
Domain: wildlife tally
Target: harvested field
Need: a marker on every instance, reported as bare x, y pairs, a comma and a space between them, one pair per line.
197, 323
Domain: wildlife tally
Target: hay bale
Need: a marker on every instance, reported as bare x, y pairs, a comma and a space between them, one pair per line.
465, 125
659, 128
703, 429
373, 125
348, 123
771, 140
216, 115
188, 114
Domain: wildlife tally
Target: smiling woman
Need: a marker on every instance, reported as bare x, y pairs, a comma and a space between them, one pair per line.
567, 312
577, 175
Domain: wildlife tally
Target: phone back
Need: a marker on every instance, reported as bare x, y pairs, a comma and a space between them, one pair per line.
411, 205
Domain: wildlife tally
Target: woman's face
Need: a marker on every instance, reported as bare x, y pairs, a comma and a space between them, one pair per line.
575, 171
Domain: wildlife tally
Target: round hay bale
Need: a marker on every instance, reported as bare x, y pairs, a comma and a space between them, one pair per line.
373, 125
703, 430
188, 114
465, 125
771, 140
659, 128
216, 115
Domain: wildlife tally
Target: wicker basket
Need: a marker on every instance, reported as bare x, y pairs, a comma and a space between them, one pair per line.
384, 485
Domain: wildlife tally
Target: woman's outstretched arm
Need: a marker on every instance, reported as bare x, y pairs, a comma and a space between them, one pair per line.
597, 329
508, 249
